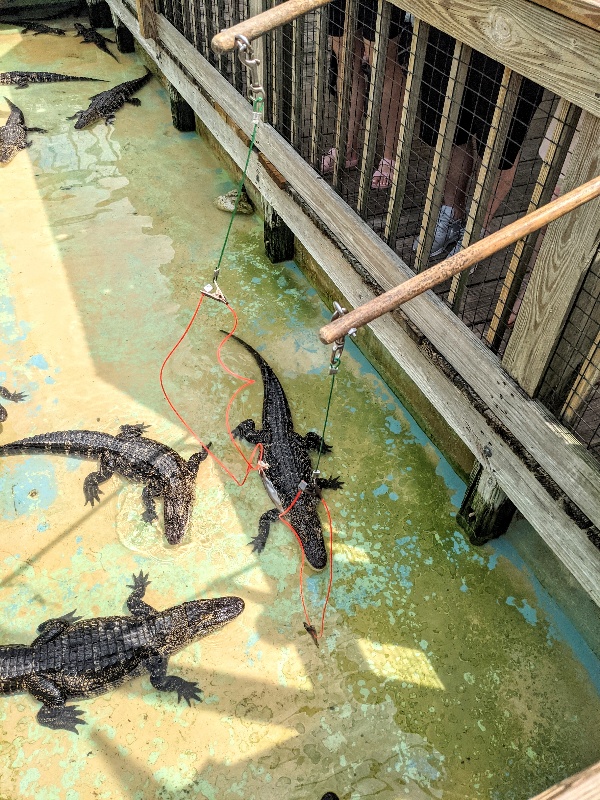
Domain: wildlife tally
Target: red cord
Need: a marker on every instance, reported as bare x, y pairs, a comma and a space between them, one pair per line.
249, 466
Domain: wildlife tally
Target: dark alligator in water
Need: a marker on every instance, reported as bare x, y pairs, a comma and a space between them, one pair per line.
39, 27
13, 134
82, 658
22, 79
162, 470
16, 397
104, 105
288, 457
92, 36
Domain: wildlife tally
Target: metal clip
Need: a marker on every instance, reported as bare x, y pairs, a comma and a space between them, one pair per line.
212, 290
256, 90
338, 345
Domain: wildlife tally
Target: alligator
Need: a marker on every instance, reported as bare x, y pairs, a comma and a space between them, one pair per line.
287, 456
16, 397
92, 36
39, 27
13, 135
104, 105
137, 458
72, 657
22, 79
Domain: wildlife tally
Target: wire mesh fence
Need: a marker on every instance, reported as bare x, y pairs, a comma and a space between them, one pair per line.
434, 144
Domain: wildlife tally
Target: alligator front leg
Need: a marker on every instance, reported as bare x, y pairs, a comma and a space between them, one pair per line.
132, 431
330, 483
247, 430
135, 604
152, 489
194, 461
157, 667
51, 628
54, 713
91, 484
264, 524
313, 441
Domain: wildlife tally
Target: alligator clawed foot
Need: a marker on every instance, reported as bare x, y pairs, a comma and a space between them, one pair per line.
149, 516
188, 690
64, 718
257, 544
140, 581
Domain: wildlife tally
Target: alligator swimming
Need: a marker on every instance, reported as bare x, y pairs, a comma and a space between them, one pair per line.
22, 79
16, 397
72, 657
92, 36
162, 470
288, 457
105, 104
13, 134
39, 27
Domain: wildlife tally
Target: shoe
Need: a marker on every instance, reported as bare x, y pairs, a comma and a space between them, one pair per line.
458, 247
329, 159
383, 175
448, 231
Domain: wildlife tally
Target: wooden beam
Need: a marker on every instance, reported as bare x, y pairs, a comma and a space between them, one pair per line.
585, 11
564, 258
557, 452
146, 18
556, 52
583, 786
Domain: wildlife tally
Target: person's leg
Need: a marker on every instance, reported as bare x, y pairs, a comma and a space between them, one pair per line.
459, 174
357, 94
391, 109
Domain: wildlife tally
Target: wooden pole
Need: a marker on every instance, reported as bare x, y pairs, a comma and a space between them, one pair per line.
254, 27
583, 786
461, 261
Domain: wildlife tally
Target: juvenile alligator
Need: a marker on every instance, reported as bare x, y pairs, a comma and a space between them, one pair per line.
39, 27
82, 658
137, 458
92, 36
288, 457
13, 134
105, 104
16, 397
22, 79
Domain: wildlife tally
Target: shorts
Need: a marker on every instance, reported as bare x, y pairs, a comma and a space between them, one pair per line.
365, 23
482, 85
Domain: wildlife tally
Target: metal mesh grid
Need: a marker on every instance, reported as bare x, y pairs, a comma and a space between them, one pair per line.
571, 386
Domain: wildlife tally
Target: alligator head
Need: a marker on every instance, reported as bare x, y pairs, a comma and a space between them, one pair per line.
85, 118
206, 616
305, 521
178, 499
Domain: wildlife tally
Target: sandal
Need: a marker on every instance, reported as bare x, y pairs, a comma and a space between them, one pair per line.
329, 159
382, 177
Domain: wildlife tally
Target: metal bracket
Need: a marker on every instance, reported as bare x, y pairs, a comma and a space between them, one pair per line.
212, 290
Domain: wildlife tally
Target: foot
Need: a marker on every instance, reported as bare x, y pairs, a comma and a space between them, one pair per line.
449, 230
65, 718
330, 157
384, 174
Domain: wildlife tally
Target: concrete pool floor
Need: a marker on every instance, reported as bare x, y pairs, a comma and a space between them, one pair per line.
443, 671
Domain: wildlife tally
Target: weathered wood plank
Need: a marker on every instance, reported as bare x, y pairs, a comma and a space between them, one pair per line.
565, 256
585, 785
147, 18
563, 458
558, 53
585, 11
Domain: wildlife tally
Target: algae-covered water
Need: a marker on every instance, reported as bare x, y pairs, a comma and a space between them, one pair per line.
444, 671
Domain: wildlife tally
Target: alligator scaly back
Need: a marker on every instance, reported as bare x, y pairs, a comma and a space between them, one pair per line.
160, 468
72, 657
106, 104
22, 79
13, 134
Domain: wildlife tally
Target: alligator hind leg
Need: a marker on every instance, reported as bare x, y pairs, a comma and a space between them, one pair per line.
91, 484
132, 431
151, 490
194, 461
313, 441
16, 397
264, 524
157, 667
135, 604
53, 627
54, 713
330, 483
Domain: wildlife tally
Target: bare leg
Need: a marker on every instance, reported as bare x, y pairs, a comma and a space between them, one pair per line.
457, 180
502, 184
357, 95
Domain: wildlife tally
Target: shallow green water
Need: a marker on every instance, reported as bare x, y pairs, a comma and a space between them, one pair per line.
445, 670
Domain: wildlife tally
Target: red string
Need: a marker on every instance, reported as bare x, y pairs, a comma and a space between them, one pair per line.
249, 466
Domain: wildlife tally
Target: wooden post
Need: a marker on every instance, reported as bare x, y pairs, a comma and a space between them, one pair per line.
279, 239
583, 786
146, 18
182, 113
99, 14
124, 37
564, 258
486, 511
